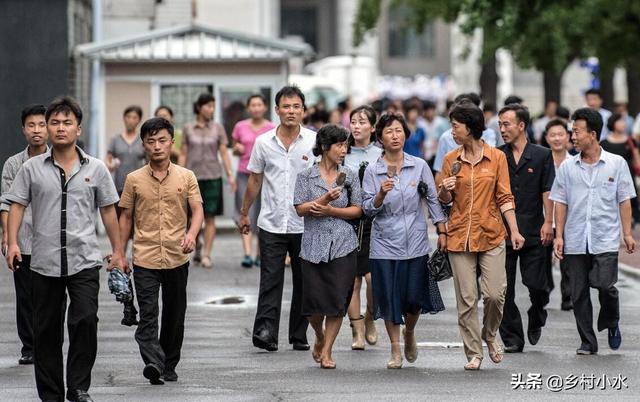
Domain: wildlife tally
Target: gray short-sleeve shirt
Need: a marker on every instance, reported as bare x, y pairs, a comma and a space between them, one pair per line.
131, 157
64, 211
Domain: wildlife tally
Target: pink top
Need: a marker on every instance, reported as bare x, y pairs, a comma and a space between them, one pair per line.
246, 135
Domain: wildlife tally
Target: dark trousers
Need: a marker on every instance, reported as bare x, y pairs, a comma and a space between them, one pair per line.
165, 351
598, 271
534, 270
565, 285
49, 305
24, 305
273, 249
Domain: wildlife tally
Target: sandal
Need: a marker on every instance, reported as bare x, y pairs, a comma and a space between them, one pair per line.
474, 364
326, 363
396, 358
496, 353
410, 346
206, 262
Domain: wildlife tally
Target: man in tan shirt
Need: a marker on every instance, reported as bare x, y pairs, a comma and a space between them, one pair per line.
155, 200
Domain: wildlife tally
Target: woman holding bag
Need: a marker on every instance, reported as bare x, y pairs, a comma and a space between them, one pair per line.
402, 287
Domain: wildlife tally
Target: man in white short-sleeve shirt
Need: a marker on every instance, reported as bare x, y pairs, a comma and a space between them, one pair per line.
276, 159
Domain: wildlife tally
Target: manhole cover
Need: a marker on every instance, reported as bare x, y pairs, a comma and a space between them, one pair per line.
228, 300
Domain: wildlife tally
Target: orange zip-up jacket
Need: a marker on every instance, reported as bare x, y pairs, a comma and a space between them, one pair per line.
482, 192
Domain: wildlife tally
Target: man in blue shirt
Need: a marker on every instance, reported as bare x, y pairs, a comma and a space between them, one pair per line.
592, 193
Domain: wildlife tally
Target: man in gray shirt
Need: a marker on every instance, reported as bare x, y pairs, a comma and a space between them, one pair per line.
64, 187
34, 128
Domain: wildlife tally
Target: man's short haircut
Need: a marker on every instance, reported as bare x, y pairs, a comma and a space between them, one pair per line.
289, 91
165, 107
32, 110
65, 105
513, 99
554, 123
593, 91
203, 99
387, 119
591, 117
428, 104
470, 96
133, 108
522, 113
563, 112
489, 107
154, 125
256, 96
470, 115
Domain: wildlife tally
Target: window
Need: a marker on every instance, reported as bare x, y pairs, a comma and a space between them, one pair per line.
299, 21
180, 98
405, 41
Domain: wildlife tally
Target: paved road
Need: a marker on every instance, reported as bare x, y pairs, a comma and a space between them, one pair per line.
219, 364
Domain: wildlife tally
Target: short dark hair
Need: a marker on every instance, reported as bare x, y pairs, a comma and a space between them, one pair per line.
522, 113
32, 110
327, 136
591, 117
256, 96
611, 122
563, 112
555, 122
593, 91
289, 91
470, 115
133, 108
64, 104
165, 107
470, 96
513, 99
154, 125
428, 104
387, 119
489, 107
203, 99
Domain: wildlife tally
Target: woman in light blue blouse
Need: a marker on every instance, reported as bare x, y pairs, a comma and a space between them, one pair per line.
393, 190
362, 152
328, 195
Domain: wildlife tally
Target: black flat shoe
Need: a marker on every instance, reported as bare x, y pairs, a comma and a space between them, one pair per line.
263, 341
25, 360
170, 375
534, 335
301, 346
513, 349
79, 396
585, 350
152, 373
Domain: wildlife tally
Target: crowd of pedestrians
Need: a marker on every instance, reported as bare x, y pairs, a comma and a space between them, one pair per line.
345, 204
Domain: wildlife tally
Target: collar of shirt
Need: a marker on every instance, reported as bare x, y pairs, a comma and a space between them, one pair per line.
460, 155
198, 124
526, 155
605, 157
83, 156
381, 167
151, 173
314, 174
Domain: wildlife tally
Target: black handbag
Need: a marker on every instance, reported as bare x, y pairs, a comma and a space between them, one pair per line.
439, 266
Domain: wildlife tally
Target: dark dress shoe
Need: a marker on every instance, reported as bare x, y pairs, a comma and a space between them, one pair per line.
26, 360
301, 346
566, 306
513, 349
170, 375
79, 395
534, 335
615, 338
585, 350
152, 373
263, 340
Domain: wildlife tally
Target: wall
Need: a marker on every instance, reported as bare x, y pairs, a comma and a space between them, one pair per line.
118, 96
34, 64
256, 17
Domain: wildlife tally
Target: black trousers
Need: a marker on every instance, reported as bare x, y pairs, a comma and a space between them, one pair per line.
24, 305
164, 351
49, 305
565, 284
273, 249
599, 271
534, 270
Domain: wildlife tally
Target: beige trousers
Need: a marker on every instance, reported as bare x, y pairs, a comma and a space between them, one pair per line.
493, 284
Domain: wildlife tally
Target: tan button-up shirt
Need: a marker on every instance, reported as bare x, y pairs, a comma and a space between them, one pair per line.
482, 193
159, 214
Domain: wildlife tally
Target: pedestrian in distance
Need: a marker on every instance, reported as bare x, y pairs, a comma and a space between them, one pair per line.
328, 195
476, 184
155, 203
276, 159
34, 129
393, 191
363, 151
244, 136
531, 175
64, 186
592, 193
